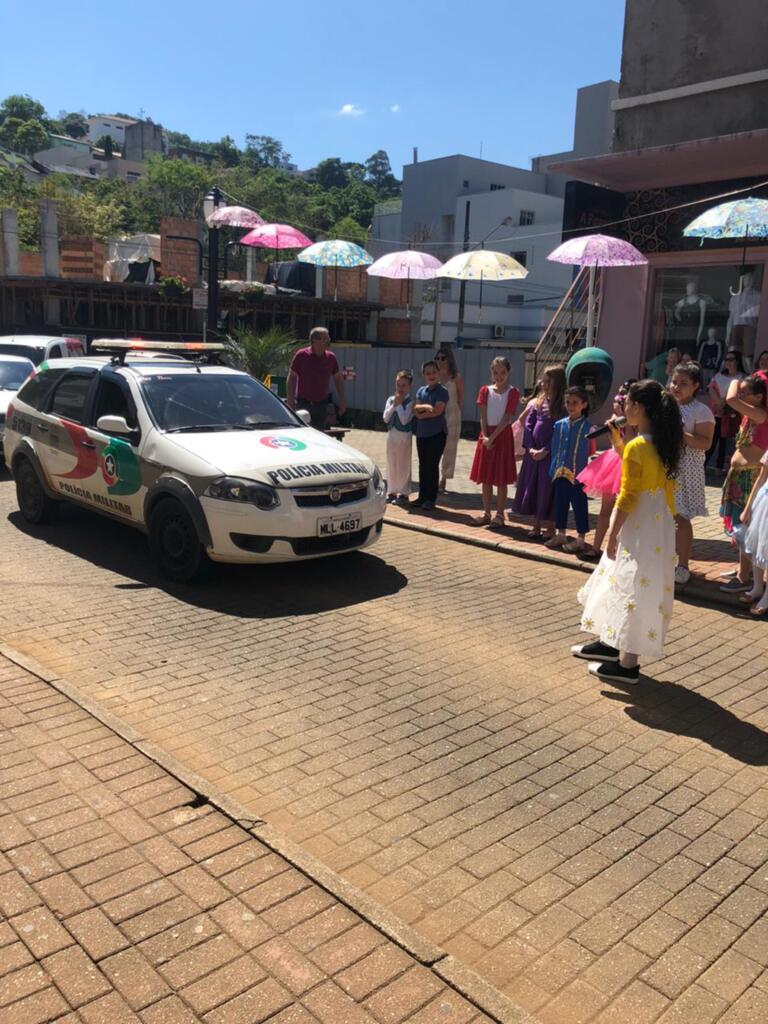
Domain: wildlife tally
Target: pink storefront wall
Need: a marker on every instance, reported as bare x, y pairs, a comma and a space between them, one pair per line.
627, 299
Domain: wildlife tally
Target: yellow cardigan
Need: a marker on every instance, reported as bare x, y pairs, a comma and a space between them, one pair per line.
642, 470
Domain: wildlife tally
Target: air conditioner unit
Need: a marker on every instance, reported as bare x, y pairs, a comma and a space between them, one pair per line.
498, 330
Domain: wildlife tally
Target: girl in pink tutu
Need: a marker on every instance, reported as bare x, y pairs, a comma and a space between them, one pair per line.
601, 477
494, 462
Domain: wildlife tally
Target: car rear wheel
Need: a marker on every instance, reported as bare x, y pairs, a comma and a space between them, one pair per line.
35, 505
174, 542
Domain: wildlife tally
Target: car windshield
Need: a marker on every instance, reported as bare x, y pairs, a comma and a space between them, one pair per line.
201, 402
13, 373
28, 351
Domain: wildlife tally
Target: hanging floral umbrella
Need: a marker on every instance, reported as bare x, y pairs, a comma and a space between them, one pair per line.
741, 218
482, 265
596, 251
335, 252
406, 266
234, 217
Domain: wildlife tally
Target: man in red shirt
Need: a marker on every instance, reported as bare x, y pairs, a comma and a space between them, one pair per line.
309, 378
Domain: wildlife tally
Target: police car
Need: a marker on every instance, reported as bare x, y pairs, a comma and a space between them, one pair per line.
14, 370
203, 458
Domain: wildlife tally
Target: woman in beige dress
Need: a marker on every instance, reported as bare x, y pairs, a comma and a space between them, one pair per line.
451, 379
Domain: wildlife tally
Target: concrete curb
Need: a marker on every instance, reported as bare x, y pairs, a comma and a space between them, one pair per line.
461, 978
694, 591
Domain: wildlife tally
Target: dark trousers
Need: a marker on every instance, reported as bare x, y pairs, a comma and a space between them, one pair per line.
318, 412
568, 495
430, 450
719, 442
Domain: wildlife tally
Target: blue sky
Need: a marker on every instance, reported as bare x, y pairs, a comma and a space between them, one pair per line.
342, 78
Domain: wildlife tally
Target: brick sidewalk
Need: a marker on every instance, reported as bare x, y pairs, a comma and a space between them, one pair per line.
127, 899
713, 554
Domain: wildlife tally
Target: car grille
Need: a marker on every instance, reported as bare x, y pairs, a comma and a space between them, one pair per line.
321, 497
324, 545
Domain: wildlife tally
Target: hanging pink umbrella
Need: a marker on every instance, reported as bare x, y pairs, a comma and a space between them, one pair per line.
276, 236
596, 251
406, 265
234, 217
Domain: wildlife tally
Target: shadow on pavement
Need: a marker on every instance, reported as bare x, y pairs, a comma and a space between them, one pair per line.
672, 708
245, 591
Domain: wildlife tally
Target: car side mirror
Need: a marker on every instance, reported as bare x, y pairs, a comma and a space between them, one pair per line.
305, 416
114, 425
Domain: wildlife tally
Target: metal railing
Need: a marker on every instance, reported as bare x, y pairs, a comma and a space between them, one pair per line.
567, 330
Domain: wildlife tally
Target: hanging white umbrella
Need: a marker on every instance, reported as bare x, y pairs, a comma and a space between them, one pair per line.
407, 265
234, 217
482, 265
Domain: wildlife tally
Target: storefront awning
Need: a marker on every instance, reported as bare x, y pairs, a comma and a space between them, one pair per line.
726, 157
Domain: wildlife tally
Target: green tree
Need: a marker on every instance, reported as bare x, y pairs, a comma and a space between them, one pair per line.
379, 174
22, 107
74, 125
331, 174
107, 143
173, 188
264, 151
30, 137
348, 229
24, 197
262, 354
8, 130
226, 151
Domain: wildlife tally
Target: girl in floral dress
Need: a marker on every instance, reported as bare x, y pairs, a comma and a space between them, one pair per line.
627, 601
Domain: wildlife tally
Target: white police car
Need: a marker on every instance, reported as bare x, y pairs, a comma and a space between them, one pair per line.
204, 459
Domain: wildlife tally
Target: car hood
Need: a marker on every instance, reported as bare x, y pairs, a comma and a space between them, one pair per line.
291, 457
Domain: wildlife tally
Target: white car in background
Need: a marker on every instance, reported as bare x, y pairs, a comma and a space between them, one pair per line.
14, 370
40, 347
204, 459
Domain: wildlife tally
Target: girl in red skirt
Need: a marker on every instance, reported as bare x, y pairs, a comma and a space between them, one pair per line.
494, 462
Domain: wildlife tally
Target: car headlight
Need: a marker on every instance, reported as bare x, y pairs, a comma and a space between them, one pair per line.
377, 479
228, 488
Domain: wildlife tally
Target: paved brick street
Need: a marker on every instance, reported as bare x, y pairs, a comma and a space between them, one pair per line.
126, 899
412, 717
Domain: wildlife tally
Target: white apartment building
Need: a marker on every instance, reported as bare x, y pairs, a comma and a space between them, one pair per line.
108, 124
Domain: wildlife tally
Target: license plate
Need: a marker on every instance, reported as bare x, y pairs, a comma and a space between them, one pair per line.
332, 525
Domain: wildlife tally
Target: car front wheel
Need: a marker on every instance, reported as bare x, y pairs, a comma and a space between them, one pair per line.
174, 542
35, 505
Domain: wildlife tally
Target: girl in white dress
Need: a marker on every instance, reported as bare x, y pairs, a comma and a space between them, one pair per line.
627, 601
398, 414
752, 537
698, 430
452, 380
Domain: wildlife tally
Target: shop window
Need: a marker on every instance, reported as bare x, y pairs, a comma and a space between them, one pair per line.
703, 311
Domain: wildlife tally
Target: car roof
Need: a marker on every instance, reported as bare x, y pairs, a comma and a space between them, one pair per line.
6, 358
149, 367
33, 339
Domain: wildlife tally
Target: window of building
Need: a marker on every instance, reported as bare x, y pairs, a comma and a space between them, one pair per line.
515, 299
132, 176
696, 311
527, 217
496, 188
465, 183
521, 256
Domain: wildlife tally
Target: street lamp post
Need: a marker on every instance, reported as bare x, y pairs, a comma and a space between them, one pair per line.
211, 202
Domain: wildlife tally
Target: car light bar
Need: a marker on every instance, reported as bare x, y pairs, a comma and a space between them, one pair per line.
139, 345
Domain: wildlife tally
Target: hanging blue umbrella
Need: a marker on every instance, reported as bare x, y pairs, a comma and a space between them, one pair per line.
335, 252
740, 218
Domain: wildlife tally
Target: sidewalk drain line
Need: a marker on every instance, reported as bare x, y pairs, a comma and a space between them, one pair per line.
457, 975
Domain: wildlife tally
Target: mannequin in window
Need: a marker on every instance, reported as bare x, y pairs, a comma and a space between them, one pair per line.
710, 355
689, 315
742, 315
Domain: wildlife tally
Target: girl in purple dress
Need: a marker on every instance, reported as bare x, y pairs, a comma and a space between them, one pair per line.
533, 496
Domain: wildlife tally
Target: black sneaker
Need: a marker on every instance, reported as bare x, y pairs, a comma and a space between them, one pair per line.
595, 650
612, 670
